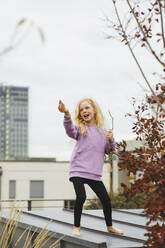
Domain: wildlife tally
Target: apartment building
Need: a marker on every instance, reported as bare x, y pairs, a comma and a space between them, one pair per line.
13, 122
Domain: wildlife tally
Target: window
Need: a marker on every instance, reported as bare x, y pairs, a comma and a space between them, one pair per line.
12, 189
37, 189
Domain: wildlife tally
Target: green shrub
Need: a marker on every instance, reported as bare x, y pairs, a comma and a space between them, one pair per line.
120, 202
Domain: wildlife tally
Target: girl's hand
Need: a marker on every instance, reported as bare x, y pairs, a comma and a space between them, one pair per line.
63, 109
110, 135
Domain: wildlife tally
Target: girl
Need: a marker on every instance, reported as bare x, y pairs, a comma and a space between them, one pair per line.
88, 157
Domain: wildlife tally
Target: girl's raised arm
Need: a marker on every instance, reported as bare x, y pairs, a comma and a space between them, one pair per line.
71, 129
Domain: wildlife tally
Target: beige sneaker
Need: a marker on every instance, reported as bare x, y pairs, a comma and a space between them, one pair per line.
113, 229
76, 230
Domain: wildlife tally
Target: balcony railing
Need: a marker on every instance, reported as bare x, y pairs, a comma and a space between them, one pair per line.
31, 204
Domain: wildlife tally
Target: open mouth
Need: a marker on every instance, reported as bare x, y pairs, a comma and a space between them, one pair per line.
86, 116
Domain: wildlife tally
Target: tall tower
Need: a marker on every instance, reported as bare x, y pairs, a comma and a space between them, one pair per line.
13, 122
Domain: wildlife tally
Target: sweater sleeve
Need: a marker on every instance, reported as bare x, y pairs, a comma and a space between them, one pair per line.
110, 146
71, 129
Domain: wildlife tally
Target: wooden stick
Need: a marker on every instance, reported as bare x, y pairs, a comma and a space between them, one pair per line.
111, 119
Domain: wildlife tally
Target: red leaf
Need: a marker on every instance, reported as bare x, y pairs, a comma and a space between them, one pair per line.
149, 19
136, 14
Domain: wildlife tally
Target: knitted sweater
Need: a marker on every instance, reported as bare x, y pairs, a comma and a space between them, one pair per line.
87, 158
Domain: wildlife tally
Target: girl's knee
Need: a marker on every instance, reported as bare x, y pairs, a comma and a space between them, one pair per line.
81, 199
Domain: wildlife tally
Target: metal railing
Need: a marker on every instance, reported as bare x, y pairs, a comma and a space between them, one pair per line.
67, 203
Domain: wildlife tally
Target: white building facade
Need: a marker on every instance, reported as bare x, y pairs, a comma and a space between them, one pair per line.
45, 183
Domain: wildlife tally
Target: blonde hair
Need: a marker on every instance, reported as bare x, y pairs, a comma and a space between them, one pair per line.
99, 119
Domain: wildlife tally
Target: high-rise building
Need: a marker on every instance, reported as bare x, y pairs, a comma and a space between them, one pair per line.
13, 122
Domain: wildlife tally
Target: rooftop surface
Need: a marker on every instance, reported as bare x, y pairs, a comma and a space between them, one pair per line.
93, 228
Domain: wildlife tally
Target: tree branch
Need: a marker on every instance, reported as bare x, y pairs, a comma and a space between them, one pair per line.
129, 46
6, 50
17, 40
146, 40
162, 23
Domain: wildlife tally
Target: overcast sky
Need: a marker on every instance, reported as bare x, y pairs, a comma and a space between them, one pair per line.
76, 61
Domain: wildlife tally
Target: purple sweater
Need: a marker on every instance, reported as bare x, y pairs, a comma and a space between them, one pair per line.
88, 155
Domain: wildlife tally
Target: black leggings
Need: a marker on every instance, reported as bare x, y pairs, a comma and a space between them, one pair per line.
100, 190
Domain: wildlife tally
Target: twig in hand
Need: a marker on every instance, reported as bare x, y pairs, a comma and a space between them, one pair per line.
111, 119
